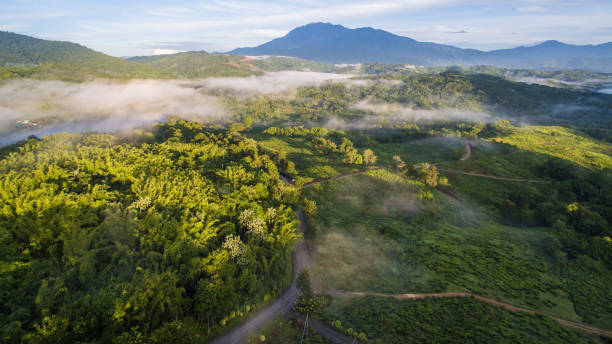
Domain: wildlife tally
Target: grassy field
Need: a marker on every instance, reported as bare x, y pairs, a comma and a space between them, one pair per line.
562, 143
376, 233
431, 149
497, 159
385, 233
449, 320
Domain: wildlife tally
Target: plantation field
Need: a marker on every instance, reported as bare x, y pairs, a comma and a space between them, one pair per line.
562, 143
432, 149
446, 320
497, 159
381, 232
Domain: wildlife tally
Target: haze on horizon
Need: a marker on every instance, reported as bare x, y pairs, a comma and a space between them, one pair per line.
147, 27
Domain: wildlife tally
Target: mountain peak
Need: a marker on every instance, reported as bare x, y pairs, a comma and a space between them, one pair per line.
551, 43
332, 43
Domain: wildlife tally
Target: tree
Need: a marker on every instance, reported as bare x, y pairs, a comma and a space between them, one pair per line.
368, 157
427, 173
303, 282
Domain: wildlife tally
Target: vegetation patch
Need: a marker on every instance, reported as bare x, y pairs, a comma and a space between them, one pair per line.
448, 320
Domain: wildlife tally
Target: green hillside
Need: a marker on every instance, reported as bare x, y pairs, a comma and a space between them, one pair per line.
200, 64
18, 49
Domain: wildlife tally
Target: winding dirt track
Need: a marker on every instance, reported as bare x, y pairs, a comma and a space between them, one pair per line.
468, 151
563, 322
468, 154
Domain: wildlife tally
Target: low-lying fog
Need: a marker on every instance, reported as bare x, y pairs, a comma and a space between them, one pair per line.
29, 107
393, 112
270, 83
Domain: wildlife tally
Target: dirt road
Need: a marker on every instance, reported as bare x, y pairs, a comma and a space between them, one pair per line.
494, 177
280, 306
563, 322
468, 154
302, 259
468, 151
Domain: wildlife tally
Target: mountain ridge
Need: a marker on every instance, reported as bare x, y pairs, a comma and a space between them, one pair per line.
332, 43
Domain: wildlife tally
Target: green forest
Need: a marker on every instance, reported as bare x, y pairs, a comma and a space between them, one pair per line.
170, 235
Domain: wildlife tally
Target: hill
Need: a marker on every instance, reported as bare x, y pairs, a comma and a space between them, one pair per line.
337, 44
199, 64
16, 49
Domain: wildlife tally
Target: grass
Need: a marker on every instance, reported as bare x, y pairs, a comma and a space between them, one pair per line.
375, 234
382, 232
432, 149
562, 143
448, 320
500, 160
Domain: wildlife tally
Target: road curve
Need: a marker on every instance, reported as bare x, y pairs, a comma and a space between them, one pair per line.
563, 322
283, 304
301, 256
468, 151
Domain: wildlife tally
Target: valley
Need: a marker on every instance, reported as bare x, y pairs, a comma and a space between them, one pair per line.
213, 198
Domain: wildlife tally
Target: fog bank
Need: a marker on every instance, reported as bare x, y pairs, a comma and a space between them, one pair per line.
393, 112
101, 105
269, 83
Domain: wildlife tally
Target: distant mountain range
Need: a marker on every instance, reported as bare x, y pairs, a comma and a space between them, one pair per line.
324, 43
337, 44
71, 61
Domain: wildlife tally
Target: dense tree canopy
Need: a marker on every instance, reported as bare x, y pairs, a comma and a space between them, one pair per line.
171, 232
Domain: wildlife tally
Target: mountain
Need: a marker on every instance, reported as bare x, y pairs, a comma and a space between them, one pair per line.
16, 49
337, 44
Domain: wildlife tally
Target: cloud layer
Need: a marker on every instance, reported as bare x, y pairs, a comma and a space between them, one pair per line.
269, 83
100, 105
393, 112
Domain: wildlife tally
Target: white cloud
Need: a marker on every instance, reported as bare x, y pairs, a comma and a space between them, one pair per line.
269, 83
132, 28
531, 9
165, 51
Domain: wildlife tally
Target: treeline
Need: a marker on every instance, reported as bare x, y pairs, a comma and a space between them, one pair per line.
472, 92
165, 236
328, 142
579, 208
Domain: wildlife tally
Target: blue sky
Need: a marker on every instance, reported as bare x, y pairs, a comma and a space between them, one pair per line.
127, 28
